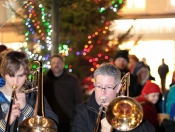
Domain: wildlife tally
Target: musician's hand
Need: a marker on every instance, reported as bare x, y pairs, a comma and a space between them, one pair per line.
105, 126
15, 112
21, 100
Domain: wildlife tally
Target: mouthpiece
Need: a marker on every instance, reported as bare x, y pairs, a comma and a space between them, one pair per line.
14, 87
103, 99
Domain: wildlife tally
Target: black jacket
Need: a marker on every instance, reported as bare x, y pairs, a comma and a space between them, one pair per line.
85, 118
63, 93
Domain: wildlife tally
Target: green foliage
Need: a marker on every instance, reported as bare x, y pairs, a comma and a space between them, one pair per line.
77, 20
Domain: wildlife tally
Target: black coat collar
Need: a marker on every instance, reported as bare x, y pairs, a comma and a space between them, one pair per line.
92, 104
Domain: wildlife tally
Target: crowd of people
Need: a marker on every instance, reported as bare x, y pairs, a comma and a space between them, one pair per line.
63, 93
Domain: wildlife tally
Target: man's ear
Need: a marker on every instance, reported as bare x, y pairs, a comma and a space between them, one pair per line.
119, 87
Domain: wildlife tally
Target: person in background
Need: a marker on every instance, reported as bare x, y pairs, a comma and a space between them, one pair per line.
171, 95
132, 62
62, 90
141, 74
15, 68
163, 69
2, 48
150, 76
173, 79
121, 61
148, 98
107, 86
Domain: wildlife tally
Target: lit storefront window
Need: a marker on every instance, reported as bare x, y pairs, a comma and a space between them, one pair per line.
172, 2
136, 4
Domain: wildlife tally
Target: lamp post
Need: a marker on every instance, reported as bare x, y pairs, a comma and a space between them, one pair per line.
55, 27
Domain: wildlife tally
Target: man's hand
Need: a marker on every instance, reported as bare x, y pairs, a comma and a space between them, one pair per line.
21, 100
105, 126
15, 112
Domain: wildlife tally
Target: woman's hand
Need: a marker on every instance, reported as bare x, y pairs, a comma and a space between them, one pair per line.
15, 112
21, 100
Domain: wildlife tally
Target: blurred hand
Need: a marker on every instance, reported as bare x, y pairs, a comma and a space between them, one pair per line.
105, 126
15, 112
21, 100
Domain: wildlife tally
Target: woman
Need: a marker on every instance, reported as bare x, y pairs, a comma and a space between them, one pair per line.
15, 68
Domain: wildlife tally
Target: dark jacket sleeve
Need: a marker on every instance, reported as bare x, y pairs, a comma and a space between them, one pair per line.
49, 113
80, 121
145, 126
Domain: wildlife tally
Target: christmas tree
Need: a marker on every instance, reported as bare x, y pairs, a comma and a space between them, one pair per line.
83, 32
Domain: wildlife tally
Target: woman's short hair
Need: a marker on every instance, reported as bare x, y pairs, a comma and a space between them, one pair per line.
11, 62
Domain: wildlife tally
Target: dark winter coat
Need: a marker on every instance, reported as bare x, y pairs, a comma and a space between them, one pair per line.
85, 116
62, 93
163, 70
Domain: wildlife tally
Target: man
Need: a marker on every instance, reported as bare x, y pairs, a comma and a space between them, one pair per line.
121, 61
15, 68
107, 85
163, 69
63, 92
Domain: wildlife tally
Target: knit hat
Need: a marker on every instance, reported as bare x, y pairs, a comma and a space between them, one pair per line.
122, 54
150, 87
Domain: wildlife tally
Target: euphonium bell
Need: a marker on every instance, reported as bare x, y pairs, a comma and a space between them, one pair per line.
124, 113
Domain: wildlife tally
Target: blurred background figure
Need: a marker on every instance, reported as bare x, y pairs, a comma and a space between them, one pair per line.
173, 79
148, 98
62, 90
150, 76
121, 61
2, 48
141, 74
163, 69
133, 60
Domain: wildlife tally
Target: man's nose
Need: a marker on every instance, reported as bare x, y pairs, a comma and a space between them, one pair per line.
15, 81
103, 91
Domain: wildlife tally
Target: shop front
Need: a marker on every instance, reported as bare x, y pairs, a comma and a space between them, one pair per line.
153, 39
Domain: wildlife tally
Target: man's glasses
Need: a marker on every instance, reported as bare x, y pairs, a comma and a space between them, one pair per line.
108, 88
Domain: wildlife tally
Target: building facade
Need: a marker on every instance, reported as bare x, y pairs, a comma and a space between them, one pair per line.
153, 32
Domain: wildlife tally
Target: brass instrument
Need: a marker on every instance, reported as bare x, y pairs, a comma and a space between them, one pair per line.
13, 96
124, 113
38, 122
103, 100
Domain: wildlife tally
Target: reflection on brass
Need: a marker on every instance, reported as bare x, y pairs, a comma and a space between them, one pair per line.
38, 122
124, 113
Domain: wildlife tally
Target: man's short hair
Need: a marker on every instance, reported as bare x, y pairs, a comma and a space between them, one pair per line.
58, 56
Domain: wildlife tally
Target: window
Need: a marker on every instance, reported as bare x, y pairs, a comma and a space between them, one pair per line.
139, 4
172, 2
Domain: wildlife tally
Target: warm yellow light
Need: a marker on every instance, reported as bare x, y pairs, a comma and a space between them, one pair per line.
139, 3
92, 69
106, 49
89, 42
96, 33
135, 4
104, 32
106, 27
92, 79
172, 2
